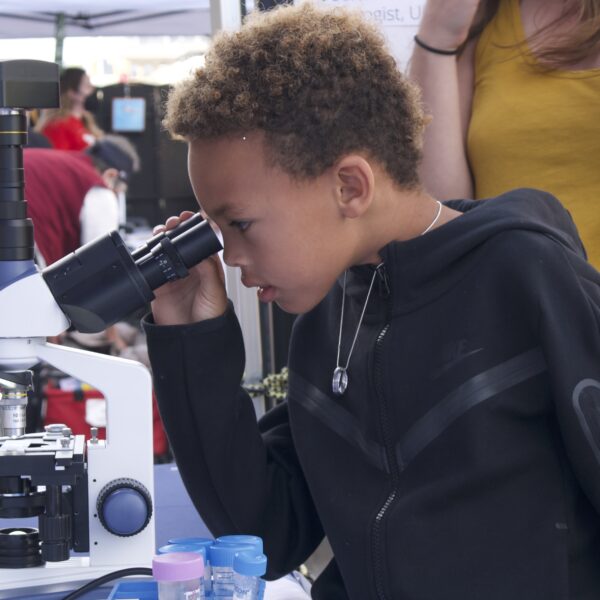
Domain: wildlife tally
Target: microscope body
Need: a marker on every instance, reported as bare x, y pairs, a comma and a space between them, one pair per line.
79, 490
89, 477
90, 496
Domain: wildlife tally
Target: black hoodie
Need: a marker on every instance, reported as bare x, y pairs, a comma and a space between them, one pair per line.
463, 461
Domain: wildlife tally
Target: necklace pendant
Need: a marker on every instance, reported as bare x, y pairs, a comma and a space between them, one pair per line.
340, 381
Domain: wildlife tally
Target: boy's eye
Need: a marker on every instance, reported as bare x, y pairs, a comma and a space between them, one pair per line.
241, 225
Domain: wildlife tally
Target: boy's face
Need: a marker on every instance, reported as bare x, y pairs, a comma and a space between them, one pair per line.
287, 237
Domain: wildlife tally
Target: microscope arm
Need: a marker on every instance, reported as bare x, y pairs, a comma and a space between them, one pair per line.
126, 455
127, 387
29, 309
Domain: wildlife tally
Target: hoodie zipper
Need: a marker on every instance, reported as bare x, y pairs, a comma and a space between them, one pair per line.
377, 530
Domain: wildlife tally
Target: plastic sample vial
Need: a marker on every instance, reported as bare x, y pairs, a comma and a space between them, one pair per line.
234, 540
170, 548
221, 559
205, 543
248, 568
179, 576
200, 548
191, 540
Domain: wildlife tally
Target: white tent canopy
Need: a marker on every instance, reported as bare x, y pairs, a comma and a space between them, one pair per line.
39, 18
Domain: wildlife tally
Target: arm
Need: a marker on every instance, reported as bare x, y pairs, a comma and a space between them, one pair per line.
570, 333
447, 88
243, 477
99, 214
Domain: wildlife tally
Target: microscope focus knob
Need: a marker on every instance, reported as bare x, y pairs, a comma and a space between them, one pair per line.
124, 507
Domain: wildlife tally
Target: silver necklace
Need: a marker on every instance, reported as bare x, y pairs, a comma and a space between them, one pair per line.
339, 383
340, 374
435, 219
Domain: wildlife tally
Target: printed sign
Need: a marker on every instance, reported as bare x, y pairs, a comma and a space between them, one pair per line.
398, 21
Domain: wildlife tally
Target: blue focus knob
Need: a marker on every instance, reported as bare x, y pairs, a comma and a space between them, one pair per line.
124, 507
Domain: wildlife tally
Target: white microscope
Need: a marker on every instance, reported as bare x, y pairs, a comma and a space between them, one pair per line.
96, 496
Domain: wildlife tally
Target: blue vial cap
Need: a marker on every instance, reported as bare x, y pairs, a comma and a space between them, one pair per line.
202, 541
195, 548
253, 540
221, 555
248, 563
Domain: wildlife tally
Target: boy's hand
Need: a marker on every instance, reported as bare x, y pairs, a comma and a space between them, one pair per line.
199, 296
445, 23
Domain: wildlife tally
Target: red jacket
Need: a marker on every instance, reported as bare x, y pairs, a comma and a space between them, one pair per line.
56, 183
67, 134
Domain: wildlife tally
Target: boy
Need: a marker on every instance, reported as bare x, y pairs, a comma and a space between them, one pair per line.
440, 425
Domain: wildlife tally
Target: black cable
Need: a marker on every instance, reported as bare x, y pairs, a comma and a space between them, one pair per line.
88, 587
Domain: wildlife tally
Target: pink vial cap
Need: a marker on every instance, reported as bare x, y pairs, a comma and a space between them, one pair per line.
177, 566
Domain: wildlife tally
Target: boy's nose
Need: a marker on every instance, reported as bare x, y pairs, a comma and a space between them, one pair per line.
231, 257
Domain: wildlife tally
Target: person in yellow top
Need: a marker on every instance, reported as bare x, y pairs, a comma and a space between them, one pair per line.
513, 88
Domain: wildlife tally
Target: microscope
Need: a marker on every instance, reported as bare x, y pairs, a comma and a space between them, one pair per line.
92, 496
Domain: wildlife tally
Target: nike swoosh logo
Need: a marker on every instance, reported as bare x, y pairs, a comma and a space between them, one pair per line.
452, 363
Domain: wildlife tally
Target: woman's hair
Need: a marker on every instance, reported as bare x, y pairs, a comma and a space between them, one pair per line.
555, 50
485, 13
70, 81
319, 83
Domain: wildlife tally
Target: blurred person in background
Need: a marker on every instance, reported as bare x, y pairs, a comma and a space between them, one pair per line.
513, 87
71, 127
35, 139
71, 195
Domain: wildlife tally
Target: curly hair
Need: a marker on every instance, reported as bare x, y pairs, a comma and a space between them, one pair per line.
319, 83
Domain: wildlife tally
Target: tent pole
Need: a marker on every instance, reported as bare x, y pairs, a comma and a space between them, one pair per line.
225, 15
59, 35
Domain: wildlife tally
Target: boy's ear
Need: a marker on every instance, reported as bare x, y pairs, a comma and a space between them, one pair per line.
355, 184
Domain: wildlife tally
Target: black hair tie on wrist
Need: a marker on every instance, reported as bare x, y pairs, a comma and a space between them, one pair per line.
425, 46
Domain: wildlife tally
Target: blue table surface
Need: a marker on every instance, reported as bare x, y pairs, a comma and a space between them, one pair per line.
175, 516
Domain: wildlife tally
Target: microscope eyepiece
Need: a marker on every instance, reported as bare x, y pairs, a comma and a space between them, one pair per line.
142, 250
172, 255
102, 282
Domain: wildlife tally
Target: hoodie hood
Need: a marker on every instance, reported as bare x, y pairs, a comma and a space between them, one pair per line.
429, 265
